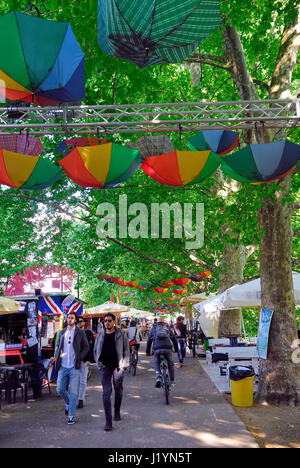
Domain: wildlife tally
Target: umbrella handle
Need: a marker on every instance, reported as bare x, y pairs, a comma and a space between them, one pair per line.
33, 6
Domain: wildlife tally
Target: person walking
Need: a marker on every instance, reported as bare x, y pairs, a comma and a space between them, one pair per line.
163, 340
71, 349
88, 360
181, 336
111, 354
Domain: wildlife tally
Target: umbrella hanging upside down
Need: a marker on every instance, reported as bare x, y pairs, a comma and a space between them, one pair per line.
150, 32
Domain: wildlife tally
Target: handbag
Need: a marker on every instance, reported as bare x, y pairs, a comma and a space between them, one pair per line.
133, 342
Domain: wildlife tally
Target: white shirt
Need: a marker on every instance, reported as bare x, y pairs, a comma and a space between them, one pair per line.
68, 354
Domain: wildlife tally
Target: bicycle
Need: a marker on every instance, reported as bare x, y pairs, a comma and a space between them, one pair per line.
133, 360
165, 379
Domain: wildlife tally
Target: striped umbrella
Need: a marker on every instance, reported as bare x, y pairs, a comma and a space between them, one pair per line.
262, 163
220, 141
101, 166
24, 171
148, 32
21, 144
181, 168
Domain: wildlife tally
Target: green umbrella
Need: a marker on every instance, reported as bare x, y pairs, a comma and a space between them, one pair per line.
149, 32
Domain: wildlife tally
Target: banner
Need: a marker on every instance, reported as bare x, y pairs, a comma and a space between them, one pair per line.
263, 332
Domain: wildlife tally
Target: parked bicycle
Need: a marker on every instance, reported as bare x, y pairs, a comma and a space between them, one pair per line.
165, 378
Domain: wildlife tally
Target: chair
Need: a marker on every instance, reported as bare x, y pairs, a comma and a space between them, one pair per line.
11, 385
36, 373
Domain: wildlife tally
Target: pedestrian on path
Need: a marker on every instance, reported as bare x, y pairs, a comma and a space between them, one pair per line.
88, 360
72, 347
111, 354
181, 336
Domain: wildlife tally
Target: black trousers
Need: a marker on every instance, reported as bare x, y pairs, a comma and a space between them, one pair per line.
112, 377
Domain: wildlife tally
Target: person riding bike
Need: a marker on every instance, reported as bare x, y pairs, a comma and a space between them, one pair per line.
162, 338
134, 335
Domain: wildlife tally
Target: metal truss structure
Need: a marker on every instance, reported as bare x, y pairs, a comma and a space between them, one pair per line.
149, 118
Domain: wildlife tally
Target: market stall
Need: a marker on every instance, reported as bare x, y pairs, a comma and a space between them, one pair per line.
12, 323
96, 314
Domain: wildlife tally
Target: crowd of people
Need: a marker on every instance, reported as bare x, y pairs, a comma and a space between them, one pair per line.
76, 349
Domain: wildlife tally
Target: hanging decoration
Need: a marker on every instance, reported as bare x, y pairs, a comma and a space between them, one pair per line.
181, 168
24, 171
166, 284
159, 31
40, 60
181, 281
219, 141
180, 291
261, 163
101, 166
160, 290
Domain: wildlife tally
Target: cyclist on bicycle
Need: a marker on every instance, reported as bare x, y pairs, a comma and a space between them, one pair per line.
162, 338
134, 335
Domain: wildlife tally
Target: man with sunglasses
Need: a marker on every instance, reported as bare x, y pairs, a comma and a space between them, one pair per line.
111, 353
71, 349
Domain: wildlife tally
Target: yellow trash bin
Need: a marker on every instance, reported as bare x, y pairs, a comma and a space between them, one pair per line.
242, 382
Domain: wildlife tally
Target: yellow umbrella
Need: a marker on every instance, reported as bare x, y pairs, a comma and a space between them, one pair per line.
8, 306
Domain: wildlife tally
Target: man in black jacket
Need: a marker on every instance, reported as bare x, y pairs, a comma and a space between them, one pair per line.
71, 349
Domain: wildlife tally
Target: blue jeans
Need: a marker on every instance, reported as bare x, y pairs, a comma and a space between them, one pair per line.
181, 350
68, 377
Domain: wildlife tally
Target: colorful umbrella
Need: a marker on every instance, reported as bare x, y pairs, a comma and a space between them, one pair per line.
101, 166
181, 167
219, 141
24, 171
148, 32
262, 163
40, 60
21, 144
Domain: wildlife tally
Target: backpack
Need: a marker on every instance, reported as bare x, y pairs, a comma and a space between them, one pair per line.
162, 333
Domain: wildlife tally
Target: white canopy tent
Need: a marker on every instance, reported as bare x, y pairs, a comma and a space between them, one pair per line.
249, 294
240, 295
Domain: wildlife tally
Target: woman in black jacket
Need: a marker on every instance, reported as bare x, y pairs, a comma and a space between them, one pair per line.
181, 334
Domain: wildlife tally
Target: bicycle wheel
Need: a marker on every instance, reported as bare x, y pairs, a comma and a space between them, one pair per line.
134, 363
166, 385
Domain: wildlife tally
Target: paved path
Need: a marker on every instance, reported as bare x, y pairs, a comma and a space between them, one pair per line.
198, 416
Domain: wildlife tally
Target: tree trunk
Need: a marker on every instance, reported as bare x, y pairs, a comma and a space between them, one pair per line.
276, 379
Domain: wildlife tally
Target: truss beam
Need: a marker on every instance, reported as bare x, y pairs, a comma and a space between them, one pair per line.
149, 118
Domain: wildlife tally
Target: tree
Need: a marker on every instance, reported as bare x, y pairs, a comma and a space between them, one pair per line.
277, 382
